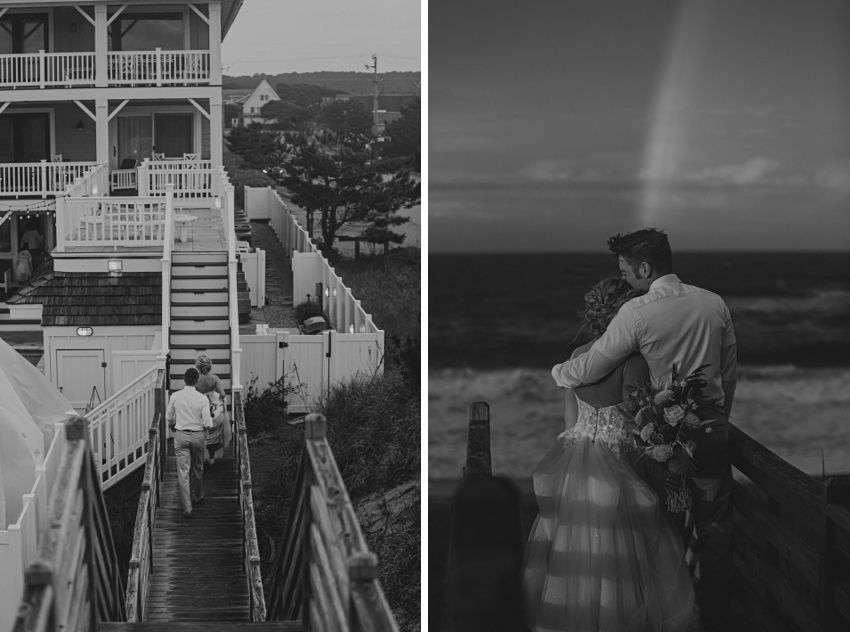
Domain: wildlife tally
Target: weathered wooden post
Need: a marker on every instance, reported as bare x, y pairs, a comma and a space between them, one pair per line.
478, 442
483, 590
833, 563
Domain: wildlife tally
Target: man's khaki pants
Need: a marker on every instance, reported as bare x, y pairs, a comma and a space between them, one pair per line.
189, 449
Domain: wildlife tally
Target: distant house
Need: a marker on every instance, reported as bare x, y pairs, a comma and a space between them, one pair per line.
252, 104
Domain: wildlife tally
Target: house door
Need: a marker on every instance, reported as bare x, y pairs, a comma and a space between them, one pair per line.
24, 137
135, 138
80, 371
173, 134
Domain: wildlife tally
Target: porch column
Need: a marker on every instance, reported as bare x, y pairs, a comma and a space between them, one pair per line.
101, 107
215, 43
216, 131
100, 45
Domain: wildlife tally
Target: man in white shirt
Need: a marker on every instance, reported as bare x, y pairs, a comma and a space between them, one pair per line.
188, 415
674, 322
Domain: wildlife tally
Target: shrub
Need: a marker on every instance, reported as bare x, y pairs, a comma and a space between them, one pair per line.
309, 309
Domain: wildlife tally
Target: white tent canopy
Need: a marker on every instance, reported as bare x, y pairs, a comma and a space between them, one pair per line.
29, 406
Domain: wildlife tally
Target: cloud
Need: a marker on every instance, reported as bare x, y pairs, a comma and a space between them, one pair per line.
834, 176
752, 171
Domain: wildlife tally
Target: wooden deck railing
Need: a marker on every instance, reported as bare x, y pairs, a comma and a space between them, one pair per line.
159, 67
41, 178
141, 557
111, 221
325, 574
75, 583
43, 69
250, 547
119, 427
791, 536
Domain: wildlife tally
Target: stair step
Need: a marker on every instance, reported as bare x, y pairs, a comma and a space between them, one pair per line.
194, 258
219, 357
199, 340
212, 312
198, 284
190, 270
198, 297
199, 323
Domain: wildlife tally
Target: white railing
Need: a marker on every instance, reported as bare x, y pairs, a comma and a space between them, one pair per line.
19, 543
176, 164
41, 178
309, 267
228, 200
166, 273
123, 179
119, 428
111, 221
158, 67
189, 183
47, 69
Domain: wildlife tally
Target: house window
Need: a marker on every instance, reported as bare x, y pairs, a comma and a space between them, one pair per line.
23, 33
146, 31
24, 137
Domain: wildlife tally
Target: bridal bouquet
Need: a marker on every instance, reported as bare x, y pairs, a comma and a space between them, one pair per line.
664, 422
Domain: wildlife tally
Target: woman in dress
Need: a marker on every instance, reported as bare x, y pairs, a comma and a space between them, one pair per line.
23, 268
210, 385
602, 556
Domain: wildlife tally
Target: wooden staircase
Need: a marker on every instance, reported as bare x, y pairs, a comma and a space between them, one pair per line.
200, 317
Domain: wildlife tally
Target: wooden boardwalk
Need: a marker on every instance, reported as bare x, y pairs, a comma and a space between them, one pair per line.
198, 573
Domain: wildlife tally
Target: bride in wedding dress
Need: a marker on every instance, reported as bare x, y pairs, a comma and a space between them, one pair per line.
602, 556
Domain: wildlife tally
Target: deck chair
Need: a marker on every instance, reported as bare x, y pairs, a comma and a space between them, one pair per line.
157, 156
125, 176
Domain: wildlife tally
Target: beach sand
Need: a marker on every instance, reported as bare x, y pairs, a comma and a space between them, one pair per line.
795, 412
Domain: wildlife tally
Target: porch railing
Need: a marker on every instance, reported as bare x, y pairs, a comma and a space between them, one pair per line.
158, 67
44, 69
107, 221
119, 428
41, 178
192, 179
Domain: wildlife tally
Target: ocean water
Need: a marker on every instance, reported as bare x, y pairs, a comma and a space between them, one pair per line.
508, 311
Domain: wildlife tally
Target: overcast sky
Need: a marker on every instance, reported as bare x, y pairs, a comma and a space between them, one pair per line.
554, 124
275, 36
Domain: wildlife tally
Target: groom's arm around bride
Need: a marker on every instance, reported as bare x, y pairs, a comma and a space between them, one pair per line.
675, 322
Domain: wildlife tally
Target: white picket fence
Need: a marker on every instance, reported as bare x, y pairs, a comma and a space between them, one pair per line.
309, 267
311, 363
18, 542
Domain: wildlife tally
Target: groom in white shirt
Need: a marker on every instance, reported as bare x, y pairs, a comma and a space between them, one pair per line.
674, 322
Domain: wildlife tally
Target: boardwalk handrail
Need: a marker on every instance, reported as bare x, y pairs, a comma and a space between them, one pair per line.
325, 573
141, 557
250, 546
791, 536
75, 583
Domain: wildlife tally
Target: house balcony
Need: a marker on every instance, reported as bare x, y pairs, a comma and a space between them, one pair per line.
40, 179
123, 68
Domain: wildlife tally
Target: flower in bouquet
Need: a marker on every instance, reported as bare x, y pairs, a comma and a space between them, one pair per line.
664, 428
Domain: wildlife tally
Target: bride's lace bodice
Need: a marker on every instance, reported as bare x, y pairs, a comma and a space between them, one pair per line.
606, 424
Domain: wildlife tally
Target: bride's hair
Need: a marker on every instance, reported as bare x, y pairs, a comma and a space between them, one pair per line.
604, 301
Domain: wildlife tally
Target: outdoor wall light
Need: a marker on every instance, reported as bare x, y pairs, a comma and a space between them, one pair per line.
84, 331
327, 292
80, 126
217, 202
351, 328
115, 265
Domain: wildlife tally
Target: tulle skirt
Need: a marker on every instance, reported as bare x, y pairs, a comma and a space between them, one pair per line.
601, 557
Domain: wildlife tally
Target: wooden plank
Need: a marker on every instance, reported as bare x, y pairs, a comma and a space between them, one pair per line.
207, 626
778, 478
770, 576
789, 547
326, 583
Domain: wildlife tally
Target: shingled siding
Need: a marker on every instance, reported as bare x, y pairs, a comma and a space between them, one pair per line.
95, 298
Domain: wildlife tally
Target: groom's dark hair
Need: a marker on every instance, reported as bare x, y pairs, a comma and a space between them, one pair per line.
650, 245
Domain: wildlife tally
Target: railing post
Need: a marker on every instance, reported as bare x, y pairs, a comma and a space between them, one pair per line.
478, 442
43, 174
158, 66
60, 224
315, 429
836, 491
41, 81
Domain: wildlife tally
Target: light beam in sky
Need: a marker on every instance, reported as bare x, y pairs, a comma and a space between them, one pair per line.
668, 135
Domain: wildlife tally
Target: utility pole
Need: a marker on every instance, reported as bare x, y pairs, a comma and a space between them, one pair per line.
376, 131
